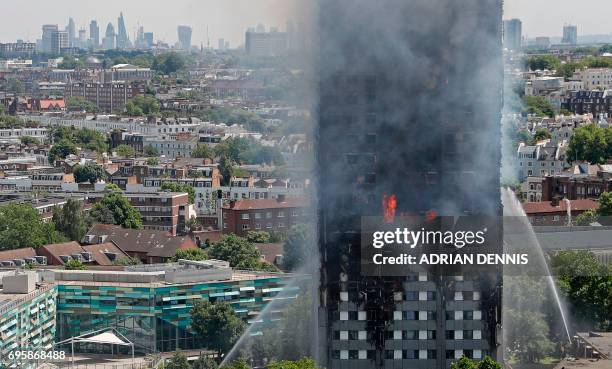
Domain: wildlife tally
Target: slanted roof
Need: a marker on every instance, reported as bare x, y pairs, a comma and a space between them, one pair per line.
106, 337
66, 248
153, 243
26, 252
254, 204
99, 252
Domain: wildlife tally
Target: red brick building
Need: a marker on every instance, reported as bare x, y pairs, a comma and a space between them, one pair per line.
554, 213
271, 215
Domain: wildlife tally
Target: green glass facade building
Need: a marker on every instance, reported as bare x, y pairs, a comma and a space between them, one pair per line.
155, 317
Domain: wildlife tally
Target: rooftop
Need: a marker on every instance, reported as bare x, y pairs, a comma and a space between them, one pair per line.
548, 207
267, 204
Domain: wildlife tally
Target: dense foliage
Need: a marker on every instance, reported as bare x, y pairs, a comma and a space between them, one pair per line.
218, 323
590, 143
21, 226
116, 209
89, 172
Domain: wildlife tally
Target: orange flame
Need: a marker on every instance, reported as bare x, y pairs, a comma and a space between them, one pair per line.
389, 208
431, 215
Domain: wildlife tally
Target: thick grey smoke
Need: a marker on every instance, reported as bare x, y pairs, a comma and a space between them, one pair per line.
410, 96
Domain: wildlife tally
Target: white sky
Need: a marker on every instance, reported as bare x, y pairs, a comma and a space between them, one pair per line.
230, 18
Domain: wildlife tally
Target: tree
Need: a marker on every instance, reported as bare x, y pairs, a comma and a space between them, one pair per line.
21, 226
180, 187
304, 363
191, 225
589, 143
71, 220
542, 62
226, 169
125, 151
299, 241
112, 187
89, 172
190, 254
178, 361
538, 105
587, 285
217, 324
239, 252
587, 217
237, 364
464, 363
61, 150
151, 151
12, 86
152, 161
541, 134
29, 140
78, 103
73, 264
116, 209
142, 106
258, 236
204, 362
567, 70
203, 152
605, 204
168, 63
70, 62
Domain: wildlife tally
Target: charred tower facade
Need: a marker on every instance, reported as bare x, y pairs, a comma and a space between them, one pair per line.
409, 106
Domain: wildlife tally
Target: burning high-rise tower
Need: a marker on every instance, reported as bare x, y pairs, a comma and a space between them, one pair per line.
409, 115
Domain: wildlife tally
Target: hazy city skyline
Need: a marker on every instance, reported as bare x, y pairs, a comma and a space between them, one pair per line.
226, 19
230, 18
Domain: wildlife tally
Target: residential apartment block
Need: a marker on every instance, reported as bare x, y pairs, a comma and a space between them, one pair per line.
272, 215
108, 97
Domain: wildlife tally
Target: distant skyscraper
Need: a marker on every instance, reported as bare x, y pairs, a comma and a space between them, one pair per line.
513, 34
221, 44
59, 41
71, 29
48, 30
148, 36
82, 38
109, 37
260, 28
184, 36
123, 41
570, 35
94, 33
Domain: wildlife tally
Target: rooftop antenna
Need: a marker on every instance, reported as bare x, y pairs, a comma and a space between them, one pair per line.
207, 39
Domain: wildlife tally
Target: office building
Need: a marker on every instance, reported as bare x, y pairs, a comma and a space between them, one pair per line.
148, 37
570, 35
150, 304
94, 34
59, 41
184, 36
109, 37
48, 30
123, 41
513, 34
400, 89
271, 43
71, 29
